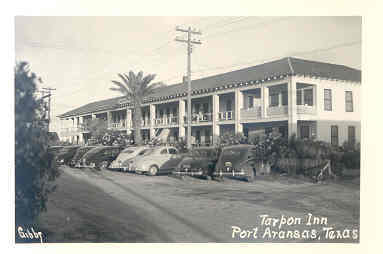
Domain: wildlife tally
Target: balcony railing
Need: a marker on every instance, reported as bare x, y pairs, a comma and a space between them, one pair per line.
225, 116
75, 130
277, 111
117, 126
145, 123
305, 109
200, 118
166, 121
253, 113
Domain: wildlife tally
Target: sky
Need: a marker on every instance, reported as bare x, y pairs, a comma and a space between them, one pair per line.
79, 56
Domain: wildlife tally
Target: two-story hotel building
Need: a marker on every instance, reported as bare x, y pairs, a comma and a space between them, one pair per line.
293, 96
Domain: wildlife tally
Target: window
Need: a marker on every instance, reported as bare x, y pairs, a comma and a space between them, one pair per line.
161, 113
207, 136
334, 135
274, 100
327, 100
305, 131
284, 98
308, 97
196, 108
251, 101
172, 151
351, 134
268, 130
174, 111
228, 105
198, 137
299, 97
206, 107
164, 151
349, 102
168, 112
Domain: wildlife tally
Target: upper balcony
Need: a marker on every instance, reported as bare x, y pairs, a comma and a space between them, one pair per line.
73, 131
226, 116
166, 121
122, 125
200, 118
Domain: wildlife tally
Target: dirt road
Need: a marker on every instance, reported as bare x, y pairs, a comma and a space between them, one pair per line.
171, 210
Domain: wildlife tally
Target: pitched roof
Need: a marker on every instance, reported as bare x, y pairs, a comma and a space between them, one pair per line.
284, 66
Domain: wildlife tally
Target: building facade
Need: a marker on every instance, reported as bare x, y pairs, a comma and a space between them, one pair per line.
292, 96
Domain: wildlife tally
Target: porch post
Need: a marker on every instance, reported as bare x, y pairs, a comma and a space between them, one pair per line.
265, 101
152, 116
215, 111
181, 115
109, 118
292, 107
237, 114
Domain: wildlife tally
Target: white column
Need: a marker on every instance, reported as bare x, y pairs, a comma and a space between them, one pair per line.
152, 116
181, 115
109, 118
265, 101
129, 119
215, 131
292, 107
238, 106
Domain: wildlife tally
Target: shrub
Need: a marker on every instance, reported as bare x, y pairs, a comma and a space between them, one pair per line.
35, 168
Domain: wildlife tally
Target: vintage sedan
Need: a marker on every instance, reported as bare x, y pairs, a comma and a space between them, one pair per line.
236, 161
127, 164
76, 160
160, 160
66, 154
121, 163
55, 149
198, 162
100, 157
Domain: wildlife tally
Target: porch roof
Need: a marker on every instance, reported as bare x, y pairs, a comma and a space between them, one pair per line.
259, 73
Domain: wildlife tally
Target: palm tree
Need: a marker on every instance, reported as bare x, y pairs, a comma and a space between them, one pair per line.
136, 88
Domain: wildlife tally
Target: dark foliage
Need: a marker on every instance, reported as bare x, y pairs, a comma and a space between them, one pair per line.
35, 168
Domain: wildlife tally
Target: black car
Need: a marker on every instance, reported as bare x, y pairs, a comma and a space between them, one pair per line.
236, 160
100, 157
66, 154
76, 160
199, 162
55, 149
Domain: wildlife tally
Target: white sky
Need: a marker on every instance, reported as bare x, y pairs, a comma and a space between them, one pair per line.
80, 55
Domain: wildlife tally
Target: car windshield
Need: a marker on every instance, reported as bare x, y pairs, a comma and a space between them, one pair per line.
234, 152
127, 151
67, 149
96, 150
146, 152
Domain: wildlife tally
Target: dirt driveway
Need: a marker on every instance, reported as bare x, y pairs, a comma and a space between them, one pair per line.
268, 210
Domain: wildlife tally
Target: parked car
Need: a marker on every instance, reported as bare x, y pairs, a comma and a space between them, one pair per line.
125, 158
161, 159
76, 160
236, 160
100, 157
66, 154
55, 149
198, 162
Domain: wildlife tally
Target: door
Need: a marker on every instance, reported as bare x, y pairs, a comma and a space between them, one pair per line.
174, 159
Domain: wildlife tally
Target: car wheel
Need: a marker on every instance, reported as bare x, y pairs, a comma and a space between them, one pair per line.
250, 174
153, 170
103, 165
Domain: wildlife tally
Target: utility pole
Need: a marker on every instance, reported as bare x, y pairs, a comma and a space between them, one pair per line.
48, 90
189, 42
